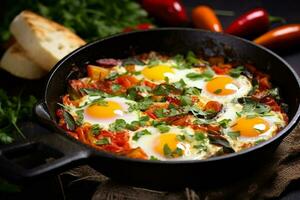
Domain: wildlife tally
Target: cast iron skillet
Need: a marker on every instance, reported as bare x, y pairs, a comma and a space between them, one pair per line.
66, 151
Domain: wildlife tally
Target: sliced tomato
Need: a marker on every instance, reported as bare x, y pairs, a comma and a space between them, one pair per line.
173, 100
150, 84
221, 70
264, 83
96, 72
213, 105
137, 153
127, 81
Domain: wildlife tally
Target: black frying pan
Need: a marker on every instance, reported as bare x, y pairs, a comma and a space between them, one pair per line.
66, 151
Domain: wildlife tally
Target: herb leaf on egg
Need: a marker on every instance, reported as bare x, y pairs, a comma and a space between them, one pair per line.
224, 123
118, 125
206, 75
163, 128
141, 133
153, 158
233, 134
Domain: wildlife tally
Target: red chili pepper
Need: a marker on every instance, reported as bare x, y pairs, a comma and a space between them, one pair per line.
281, 37
143, 26
171, 12
252, 23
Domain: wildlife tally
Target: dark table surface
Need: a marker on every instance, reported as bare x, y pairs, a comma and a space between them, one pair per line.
61, 187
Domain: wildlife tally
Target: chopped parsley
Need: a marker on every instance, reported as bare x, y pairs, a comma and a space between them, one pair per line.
168, 153
95, 129
259, 141
233, 134
116, 87
236, 72
224, 123
103, 141
141, 133
163, 128
118, 125
218, 91
153, 158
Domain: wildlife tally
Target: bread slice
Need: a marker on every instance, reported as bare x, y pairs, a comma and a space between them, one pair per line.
45, 41
16, 62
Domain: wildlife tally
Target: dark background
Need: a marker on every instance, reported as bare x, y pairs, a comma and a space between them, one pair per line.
58, 187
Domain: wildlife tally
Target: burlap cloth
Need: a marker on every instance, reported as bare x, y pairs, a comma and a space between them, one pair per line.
270, 180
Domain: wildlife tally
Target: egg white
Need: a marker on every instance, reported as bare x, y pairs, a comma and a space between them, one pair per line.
275, 121
190, 153
244, 87
120, 114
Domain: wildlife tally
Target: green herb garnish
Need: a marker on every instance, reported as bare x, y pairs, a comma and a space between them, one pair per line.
139, 134
103, 141
233, 134
95, 129
236, 72
218, 91
163, 128
118, 125
115, 87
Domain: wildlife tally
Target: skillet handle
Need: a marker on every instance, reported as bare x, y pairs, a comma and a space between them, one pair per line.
48, 153
40, 111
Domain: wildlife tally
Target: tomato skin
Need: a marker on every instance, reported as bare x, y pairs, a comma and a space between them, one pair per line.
151, 114
127, 81
173, 100
213, 105
221, 70
150, 84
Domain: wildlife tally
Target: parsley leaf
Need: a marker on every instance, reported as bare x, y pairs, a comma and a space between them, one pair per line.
167, 151
236, 72
103, 141
218, 91
95, 129
70, 122
141, 133
224, 123
233, 134
115, 87
163, 128
118, 125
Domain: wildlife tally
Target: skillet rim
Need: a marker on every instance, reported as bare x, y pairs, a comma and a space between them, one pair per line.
283, 133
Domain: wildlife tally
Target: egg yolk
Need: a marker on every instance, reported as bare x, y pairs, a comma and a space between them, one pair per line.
156, 72
221, 85
111, 109
251, 127
166, 139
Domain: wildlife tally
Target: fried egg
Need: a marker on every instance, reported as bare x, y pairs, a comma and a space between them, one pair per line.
225, 88
251, 129
104, 114
169, 146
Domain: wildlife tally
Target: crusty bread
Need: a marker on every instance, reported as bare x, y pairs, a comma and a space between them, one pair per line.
16, 62
45, 41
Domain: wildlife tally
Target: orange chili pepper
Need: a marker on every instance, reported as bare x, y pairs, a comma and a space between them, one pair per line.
204, 17
284, 36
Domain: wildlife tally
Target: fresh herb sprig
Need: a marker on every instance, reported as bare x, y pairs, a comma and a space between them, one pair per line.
12, 110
